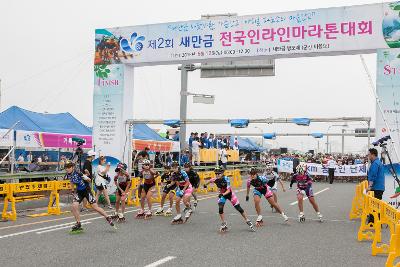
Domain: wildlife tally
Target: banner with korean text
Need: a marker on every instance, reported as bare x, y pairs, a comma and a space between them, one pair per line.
338, 30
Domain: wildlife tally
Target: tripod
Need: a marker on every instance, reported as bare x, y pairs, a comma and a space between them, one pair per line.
392, 170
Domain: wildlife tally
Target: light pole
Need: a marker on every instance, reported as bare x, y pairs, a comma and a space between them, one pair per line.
327, 136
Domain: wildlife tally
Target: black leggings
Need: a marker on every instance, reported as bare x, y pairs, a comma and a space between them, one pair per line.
221, 208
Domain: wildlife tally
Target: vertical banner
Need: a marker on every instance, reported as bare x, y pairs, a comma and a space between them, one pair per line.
112, 105
388, 91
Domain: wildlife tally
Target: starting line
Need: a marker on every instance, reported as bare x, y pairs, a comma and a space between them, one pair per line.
319, 192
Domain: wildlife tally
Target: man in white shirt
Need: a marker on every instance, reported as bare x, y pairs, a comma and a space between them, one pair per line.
224, 157
331, 169
196, 151
21, 158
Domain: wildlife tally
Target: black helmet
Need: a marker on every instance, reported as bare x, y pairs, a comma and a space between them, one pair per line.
218, 170
175, 164
253, 171
187, 165
167, 167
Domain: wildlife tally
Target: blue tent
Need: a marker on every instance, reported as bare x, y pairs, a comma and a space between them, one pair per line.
144, 132
244, 143
42, 122
254, 145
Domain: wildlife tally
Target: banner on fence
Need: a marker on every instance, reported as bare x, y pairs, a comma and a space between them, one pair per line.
319, 169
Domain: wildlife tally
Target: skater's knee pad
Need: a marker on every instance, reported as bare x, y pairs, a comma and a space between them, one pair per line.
221, 208
239, 208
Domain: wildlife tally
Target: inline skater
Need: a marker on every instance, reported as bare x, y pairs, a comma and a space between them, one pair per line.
304, 187
122, 180
169, 187
194, 180
226, 193
184, 191
272, 181
79, 192
261, 189
147, 183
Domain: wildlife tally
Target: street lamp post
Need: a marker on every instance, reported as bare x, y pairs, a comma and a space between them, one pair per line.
327, 136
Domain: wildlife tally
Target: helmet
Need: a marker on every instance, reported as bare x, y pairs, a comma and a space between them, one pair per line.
146, 162
91, 153
301, 168
120, 166
69, 164
175, 164
167, 167
218, 170
269, 167
253, 171
187, 165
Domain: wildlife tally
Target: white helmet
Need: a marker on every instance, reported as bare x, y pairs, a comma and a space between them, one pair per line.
146, 162
301, 168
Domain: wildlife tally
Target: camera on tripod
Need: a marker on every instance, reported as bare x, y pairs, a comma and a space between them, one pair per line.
382, 142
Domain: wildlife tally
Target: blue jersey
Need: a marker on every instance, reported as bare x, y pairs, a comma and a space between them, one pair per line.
76, 178
258, 183
181, 177
223, 183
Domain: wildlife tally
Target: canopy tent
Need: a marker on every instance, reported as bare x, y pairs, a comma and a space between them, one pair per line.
244, 143
42, 122
143, 136
43, 130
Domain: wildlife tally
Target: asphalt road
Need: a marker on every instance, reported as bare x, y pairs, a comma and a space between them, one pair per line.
45, 241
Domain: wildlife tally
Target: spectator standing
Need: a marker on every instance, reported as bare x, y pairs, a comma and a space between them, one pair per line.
102, 179
331, 169
29, 157
376, 177
224, 157
21, 158
196, 152
236, 144
176, 136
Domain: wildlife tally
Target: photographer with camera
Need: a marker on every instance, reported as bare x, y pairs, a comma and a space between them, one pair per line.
101, 180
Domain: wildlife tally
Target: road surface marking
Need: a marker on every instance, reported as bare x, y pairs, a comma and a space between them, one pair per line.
58, 228
323, 190
162, 261
35, 230
88, 214
86, 220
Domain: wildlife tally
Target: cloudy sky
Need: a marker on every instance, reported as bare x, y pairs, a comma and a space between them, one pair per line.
46, 56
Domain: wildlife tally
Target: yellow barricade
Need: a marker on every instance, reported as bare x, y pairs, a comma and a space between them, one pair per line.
133, 196
394, 250
237, 179
212, 155
365, 230
53, 207
204, 178
383, 213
